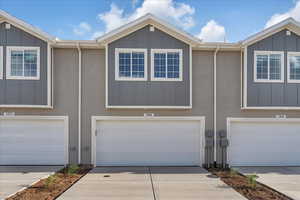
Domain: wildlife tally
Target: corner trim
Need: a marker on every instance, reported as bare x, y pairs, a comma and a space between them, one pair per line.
1, 62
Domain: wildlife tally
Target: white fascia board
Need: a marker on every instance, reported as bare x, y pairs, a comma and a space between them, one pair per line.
271, 30
26, 27
143, 21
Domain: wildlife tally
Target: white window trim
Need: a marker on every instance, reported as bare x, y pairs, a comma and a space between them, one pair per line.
153, 51
129, 50
8, 62
288, 67
1, 62
281, 70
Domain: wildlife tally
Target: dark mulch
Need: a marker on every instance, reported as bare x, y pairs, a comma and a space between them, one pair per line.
59, 184
240, 183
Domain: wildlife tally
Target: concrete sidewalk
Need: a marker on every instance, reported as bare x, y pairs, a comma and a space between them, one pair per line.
15, 178
283, 179
150, 183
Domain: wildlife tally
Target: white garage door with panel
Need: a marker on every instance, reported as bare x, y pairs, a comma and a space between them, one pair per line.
33, 140
148, 141
263, 142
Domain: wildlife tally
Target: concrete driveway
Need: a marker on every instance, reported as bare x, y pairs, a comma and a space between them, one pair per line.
15, 178
283, 179
150, 183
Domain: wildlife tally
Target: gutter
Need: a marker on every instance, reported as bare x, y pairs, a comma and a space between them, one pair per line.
79, 102
215, 102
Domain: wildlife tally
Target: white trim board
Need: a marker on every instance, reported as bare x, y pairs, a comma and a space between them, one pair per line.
150, 107
142, 22
94, 120
1, 62
39, 117
258, 120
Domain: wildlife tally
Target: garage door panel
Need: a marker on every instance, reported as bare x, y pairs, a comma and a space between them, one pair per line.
137, 142
32, 142
264, 143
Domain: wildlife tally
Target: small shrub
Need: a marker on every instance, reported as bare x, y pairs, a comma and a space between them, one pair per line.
233, 172
50, 181
71, 169
252, 180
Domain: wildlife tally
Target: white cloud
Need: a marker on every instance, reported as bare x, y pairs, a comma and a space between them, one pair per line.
180, 14
97, 34
212, 32
278, 17
82, 29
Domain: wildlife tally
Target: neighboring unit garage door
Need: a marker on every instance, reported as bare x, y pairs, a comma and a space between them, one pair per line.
264, 142
155, 141
33, 140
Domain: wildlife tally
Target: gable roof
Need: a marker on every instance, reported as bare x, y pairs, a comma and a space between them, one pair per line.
143, 21
5, 17
289, 23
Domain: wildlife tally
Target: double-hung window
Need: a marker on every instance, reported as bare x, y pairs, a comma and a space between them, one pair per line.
130, 64
268, 66
166, 64
23, 63
293, 69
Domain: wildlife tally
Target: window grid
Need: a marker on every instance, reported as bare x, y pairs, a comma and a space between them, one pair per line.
268, 67
166, 64
23, 63
294, 66
131, 64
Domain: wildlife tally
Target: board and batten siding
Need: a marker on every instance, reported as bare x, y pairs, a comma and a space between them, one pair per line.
23, 92
148, 93
273, 94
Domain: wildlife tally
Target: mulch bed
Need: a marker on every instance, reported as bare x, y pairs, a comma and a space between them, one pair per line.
42, 190
240, 183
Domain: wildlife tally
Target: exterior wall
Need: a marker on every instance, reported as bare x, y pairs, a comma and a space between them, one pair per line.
23, 92
65, 96
273, 94
229, 95
93, 94
149, 93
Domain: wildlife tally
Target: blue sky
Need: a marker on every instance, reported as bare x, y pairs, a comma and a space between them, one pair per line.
212, 20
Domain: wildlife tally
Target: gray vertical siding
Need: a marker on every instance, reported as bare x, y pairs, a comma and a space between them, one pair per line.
93, 95
273, 94
229, 98
65, 91
23, 92
150, 93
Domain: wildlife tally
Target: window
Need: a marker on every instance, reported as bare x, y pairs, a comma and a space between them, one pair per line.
166, 64
268, 66
293, 67
131, 64
23, 63
1, 62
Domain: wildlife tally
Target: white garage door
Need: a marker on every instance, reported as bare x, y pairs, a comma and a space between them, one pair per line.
149, 142
32, 140
264, 142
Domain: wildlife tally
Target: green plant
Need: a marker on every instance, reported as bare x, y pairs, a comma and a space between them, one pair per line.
252, 180
50, 181
233, 172
71, 169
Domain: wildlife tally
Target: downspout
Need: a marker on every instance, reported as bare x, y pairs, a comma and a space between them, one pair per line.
215, 103
79, 103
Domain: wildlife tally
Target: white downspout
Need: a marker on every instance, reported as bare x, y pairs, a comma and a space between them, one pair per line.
215, 103
79, 103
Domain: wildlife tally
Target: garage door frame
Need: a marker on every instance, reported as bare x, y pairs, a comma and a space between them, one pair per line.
95, 119
230, 120
39, 117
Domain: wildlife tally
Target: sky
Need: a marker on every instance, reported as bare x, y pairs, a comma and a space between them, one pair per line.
210, 20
